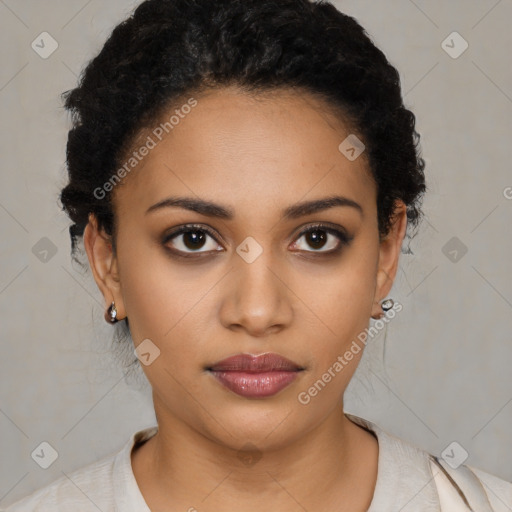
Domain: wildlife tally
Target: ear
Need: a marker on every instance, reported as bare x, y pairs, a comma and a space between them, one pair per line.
103, 263
389, 253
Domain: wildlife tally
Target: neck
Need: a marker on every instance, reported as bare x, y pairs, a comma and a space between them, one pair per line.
333, 464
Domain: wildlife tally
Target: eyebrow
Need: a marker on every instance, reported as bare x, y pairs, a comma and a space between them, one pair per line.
294, 211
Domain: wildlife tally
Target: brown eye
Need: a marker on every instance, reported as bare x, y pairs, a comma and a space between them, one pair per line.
322, 239
191, 239
316, 239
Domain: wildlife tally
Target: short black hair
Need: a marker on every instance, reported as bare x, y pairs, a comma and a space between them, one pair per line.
169, 48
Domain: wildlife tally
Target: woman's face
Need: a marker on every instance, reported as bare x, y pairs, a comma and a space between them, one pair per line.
248, 281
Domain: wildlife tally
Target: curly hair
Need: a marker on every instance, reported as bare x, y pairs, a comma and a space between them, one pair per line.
169, 48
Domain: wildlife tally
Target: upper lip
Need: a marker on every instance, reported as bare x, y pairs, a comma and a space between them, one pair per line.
261, 363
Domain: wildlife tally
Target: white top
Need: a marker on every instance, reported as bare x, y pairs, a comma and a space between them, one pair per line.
408, 480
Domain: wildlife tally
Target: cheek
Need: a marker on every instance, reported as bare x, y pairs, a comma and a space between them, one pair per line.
154, 294
341, 302
349, 303
346, 291
162, 306
165, 302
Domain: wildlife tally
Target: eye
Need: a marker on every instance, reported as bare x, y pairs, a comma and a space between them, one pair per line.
191, 238
323, 239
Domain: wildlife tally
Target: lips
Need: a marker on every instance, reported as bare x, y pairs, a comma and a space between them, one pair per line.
268, 362
255, 376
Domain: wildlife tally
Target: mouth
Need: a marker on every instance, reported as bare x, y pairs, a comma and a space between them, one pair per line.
255, 376
268, 362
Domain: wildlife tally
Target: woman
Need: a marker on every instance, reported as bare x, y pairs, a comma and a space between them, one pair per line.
243, 175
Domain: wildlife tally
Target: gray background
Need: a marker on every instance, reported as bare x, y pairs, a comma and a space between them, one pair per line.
448, 353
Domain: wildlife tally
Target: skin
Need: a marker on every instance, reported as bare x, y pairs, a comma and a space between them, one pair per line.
256, 156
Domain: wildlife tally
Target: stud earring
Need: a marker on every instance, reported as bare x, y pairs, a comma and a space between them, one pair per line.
386, 305
111, 314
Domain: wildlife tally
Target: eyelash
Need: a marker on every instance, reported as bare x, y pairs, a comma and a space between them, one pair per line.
344, 238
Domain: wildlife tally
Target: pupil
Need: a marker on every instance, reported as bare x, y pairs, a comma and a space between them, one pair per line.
197, 238
316, 240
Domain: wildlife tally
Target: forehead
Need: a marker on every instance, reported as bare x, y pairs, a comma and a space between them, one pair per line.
270, 148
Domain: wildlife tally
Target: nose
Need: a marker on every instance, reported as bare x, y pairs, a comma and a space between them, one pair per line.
257, 298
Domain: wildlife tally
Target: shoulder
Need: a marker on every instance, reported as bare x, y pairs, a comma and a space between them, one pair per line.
87, 488
459, 487
405, 468
477, 488
106, 485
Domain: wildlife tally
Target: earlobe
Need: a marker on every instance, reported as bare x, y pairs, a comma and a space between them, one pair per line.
103, 265
389, 254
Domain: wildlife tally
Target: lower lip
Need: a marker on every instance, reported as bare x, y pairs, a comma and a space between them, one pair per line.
255, 385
